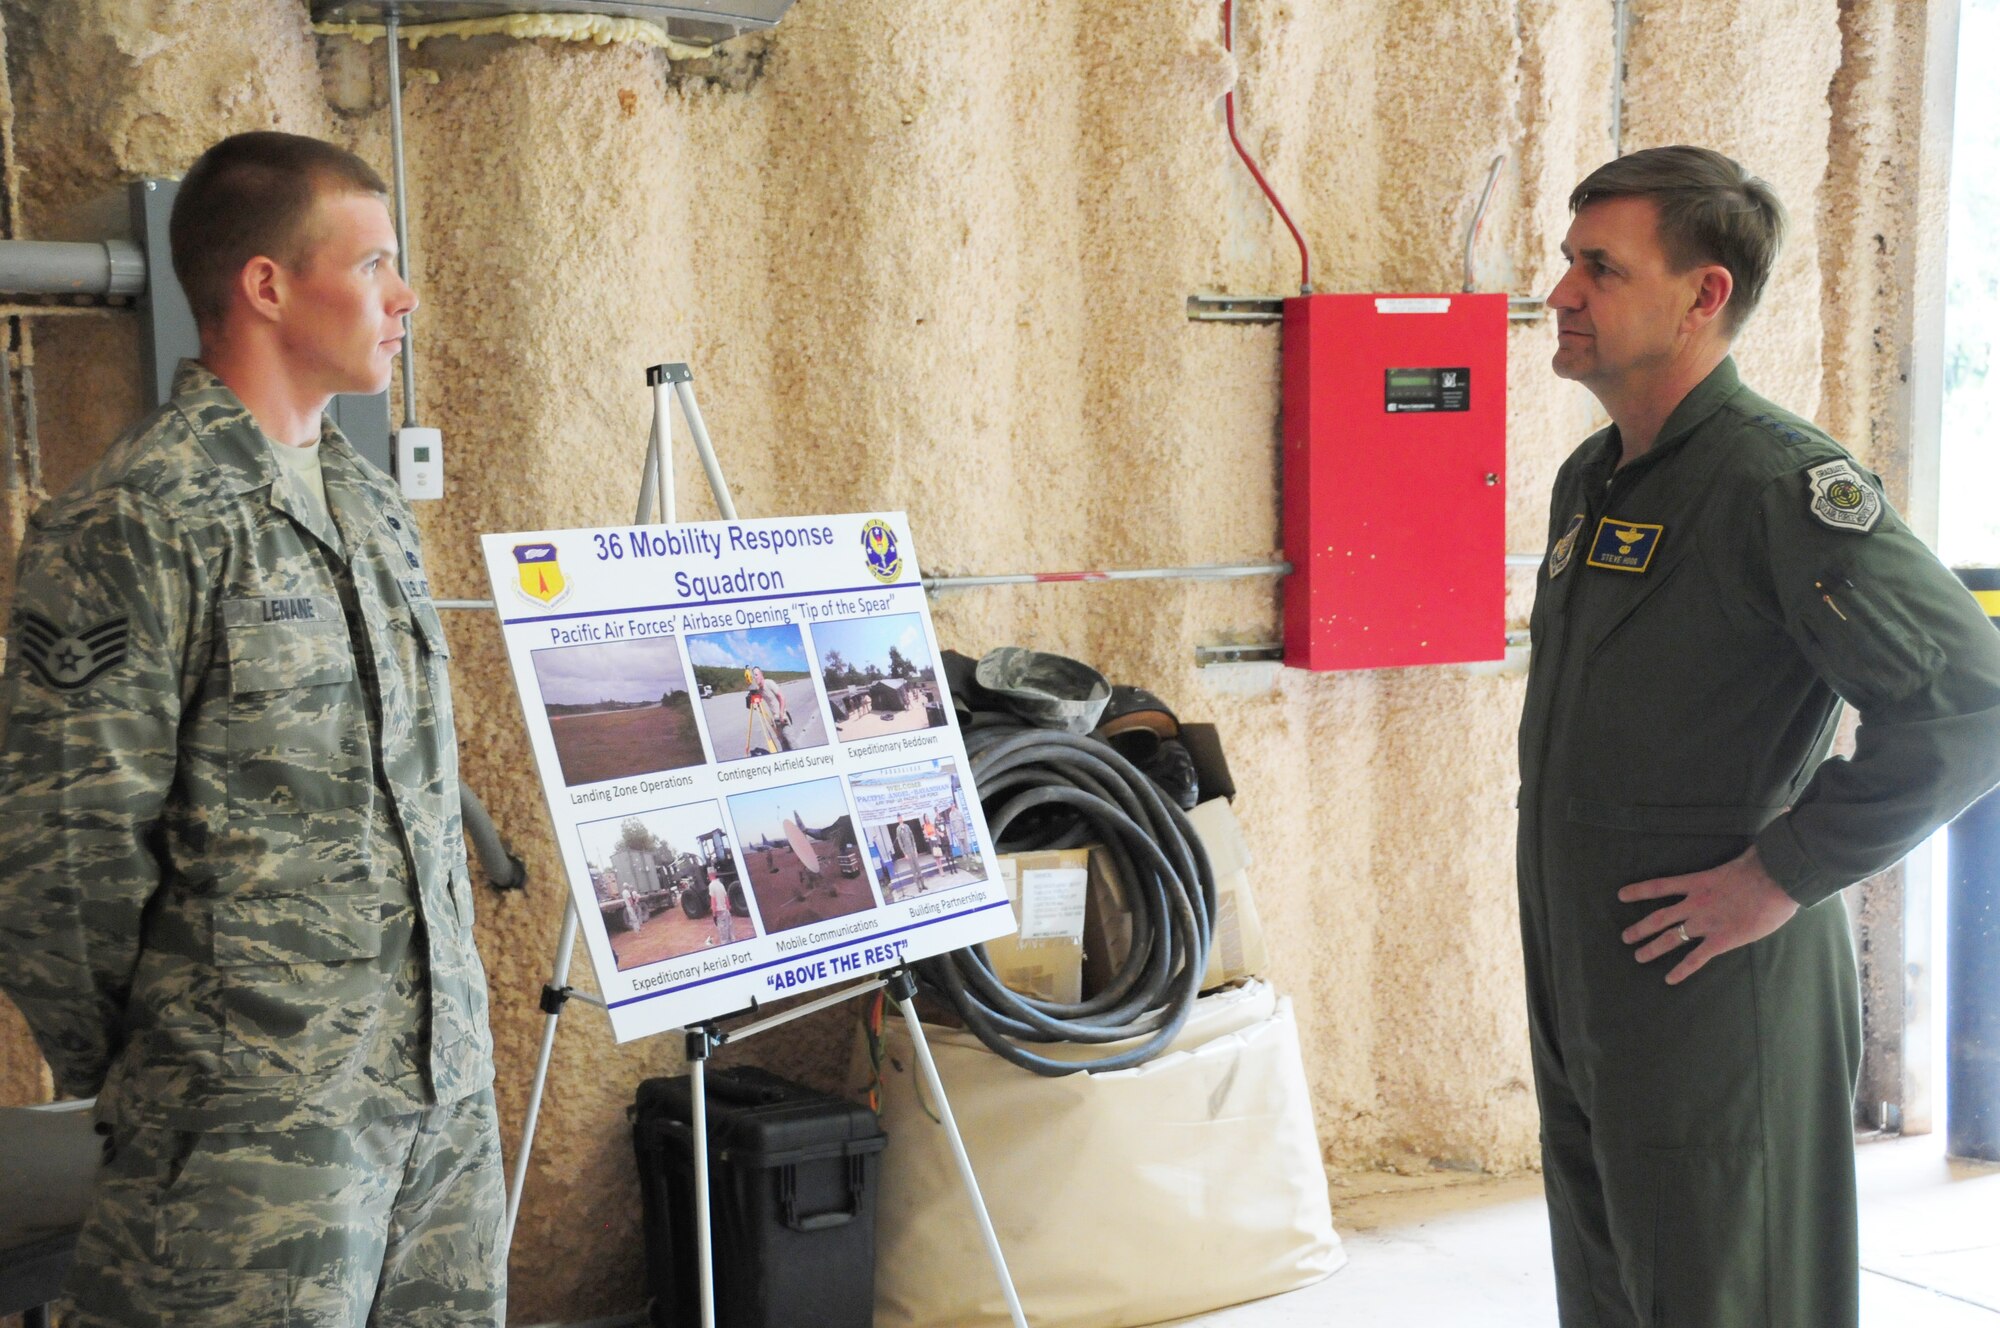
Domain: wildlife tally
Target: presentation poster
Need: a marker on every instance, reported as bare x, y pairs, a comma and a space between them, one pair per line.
750, 757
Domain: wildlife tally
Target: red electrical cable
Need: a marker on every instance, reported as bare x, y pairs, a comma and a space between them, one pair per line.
1229, 114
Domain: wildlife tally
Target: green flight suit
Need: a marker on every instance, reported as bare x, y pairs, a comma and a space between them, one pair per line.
1699, 618
233, 887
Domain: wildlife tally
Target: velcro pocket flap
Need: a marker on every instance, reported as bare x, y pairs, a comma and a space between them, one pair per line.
296, 929
277, 656
1673, 820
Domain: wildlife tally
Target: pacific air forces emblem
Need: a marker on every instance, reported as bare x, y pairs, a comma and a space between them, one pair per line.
67, 660
878, 548
1842, 499
1565, 548
541, 575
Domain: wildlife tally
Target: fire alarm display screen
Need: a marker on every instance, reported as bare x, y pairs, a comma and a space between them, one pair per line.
1427, 389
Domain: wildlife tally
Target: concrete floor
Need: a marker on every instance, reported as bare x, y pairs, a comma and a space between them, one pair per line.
1423, 1252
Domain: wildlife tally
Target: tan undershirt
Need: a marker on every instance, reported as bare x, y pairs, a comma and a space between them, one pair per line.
303, 462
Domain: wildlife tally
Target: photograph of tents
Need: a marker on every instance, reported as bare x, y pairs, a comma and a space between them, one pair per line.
879, 676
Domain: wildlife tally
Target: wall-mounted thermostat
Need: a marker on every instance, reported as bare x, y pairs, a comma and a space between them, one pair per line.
420, 462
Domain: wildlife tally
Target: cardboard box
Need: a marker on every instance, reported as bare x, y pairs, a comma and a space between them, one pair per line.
1238, 950
1045, 957
1107, 923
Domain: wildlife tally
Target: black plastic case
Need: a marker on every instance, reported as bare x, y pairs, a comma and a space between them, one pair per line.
792, 1188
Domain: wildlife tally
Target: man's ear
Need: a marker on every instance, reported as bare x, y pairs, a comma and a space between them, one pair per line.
260, 286
1713, 287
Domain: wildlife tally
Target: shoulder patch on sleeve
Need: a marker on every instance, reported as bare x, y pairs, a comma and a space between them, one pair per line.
1842, 499
68, 660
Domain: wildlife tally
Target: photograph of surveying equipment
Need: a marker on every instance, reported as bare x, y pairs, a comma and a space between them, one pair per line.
667, 884
618, 709
756, 692
801, 852
879, 676
919, 834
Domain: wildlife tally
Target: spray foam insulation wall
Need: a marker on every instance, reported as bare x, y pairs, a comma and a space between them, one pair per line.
933, 255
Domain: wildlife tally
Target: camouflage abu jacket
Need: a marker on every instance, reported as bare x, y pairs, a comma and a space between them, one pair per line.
233, 892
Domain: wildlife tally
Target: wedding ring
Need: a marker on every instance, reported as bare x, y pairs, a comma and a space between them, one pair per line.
1682, 930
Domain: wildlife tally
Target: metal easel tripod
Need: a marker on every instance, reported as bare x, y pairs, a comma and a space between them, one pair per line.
674, 384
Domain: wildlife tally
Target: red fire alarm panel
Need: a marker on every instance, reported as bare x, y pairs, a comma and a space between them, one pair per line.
1395, 479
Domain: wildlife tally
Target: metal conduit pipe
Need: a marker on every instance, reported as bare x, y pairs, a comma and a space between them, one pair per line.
1198, 572
1621, 38
1479, 219
93, 267
392, 25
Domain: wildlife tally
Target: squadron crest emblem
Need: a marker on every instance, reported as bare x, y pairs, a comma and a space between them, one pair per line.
878, 549
542, 580
1842, 499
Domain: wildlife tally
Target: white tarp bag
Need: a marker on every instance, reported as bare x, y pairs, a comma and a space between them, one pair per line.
1188, 1183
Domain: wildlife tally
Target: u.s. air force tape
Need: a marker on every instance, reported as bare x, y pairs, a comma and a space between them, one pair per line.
67, 660
1842, 499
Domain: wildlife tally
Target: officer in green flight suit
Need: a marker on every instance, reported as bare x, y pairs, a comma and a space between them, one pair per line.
233, 893
1720, 577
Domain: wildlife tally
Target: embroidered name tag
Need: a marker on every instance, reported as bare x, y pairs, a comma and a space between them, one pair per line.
1624, 546
257, 611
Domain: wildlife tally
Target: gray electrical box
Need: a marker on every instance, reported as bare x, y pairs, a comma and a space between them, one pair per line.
167, 332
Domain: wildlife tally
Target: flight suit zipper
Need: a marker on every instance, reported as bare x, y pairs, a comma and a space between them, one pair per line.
1560, 655
1556, 656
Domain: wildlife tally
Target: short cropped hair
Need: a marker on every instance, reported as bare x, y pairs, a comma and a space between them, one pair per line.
248, 196
1711, 211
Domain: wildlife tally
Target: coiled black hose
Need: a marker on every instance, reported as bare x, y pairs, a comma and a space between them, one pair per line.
1043, 789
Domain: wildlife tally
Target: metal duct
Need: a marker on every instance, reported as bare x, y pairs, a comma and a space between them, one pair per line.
47, 267
700, 22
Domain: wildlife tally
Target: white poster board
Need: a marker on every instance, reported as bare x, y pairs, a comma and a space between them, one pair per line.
751, 760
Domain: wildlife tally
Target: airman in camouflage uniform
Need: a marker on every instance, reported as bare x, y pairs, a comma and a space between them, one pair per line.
233, 892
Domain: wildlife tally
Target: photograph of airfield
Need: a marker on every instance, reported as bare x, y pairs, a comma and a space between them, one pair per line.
879, 675
618, 709
650, 874
722, 661
802, 854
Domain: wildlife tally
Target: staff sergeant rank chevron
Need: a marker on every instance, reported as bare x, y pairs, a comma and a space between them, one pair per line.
69, 660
